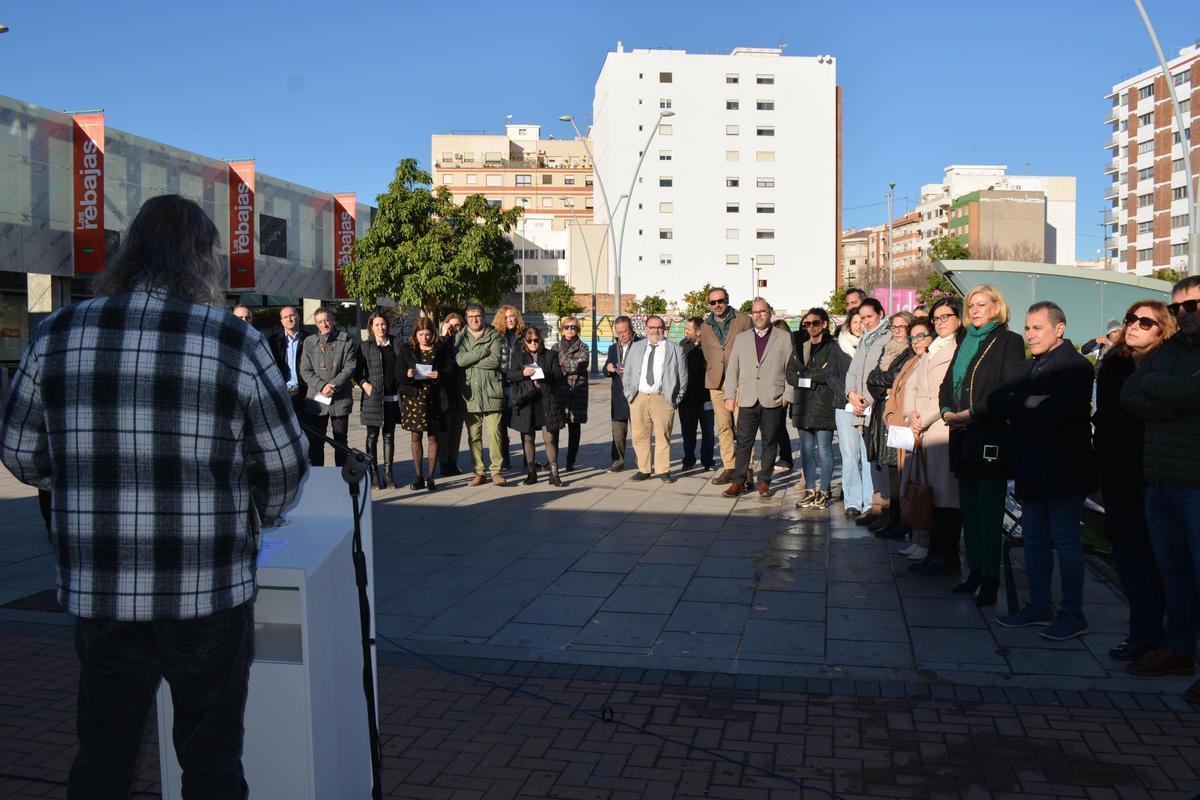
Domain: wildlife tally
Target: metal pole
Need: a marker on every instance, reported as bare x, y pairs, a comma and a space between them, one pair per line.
753, 287
592, 270
629, 202
612, 238
1185, 145
891, 270
523, 249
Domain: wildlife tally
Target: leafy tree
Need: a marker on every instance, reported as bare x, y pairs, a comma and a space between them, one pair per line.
696, 303
557, 298
937, 286
1167, 274
745, 307
836, 304
425, 251
948, 248
652, 304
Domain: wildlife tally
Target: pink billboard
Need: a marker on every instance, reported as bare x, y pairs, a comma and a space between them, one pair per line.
899, 299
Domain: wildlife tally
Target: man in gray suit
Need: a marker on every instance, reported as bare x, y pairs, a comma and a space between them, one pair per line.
654, 381
757, 367
327, 365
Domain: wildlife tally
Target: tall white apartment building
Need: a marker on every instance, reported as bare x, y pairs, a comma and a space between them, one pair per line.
1148, 191
744, 175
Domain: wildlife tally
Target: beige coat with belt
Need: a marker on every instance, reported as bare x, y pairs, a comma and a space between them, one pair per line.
766, 382
921, 396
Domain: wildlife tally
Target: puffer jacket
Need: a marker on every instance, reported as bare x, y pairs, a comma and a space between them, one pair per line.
813, 407
1165, 392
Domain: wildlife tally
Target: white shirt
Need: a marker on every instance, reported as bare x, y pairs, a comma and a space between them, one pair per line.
644, 387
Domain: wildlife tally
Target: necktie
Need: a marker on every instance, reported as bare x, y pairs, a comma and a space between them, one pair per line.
650, 367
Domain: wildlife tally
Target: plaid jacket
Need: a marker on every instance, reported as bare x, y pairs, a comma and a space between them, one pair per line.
164, 433
573, 392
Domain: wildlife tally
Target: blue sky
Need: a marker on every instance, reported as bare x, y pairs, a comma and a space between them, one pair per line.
332, 95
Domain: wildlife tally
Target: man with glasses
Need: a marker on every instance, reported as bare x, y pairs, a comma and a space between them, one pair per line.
327, 365
614, 366
477, 362
1165, 392
654, 380
756, 377
721, 327
695, 409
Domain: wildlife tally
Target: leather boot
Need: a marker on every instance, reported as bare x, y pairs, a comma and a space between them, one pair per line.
373, 454
969, 584
530, 475
389, 458
988, 588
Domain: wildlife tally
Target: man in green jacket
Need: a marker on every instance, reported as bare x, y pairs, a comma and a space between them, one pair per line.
477, 353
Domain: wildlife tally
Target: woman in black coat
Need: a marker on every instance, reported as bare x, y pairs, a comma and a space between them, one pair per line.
880, 380
814, 359
377, 374
1119, 441
424, 401
980, 447
532, 378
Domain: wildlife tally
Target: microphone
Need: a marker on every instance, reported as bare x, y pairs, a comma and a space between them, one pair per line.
357, 463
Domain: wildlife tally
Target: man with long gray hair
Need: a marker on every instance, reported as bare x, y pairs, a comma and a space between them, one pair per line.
161, 426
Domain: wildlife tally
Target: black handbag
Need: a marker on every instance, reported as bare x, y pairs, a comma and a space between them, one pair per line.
522, 393
916, 500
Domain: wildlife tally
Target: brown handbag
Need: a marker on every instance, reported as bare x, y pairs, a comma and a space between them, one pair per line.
916, 501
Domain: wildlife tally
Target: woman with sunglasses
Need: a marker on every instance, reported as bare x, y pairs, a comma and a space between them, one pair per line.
1119, 439
881, 382
533, 378
808, 372
573, 358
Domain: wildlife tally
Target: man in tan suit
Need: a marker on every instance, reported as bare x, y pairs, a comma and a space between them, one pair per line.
757, 375
721, 327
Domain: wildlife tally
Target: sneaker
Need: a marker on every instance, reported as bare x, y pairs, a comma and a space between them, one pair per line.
1065, 626
784, 466
919, 554
1027, 617
821, 501
907, 550
806, 498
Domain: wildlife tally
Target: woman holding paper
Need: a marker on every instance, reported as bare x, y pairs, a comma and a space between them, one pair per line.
880, 382
532, 379
425, 404
899, 437
378, 377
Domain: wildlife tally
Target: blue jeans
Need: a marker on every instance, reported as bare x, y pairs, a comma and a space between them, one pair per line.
206, 662
816, 447
1054, 522
1173, 516
856, 470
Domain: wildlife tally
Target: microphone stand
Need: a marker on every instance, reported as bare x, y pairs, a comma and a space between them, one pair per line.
353, 471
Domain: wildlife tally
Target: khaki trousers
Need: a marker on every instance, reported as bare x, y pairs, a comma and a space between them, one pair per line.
495, 444
724, 424
651, 416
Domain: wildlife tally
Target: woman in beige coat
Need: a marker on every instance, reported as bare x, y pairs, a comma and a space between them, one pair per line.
922, 413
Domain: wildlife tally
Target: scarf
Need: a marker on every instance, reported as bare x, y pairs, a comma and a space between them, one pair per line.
848, 341
891, 351
721, 329
939, 343
966, 353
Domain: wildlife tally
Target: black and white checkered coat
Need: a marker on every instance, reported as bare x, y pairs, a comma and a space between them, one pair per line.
573, 357
164, 432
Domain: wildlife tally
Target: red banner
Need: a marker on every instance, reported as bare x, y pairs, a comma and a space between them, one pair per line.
88, 211
344, 232
241, 224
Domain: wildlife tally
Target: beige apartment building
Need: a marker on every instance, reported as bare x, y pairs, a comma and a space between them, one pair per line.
855, 246
552, 180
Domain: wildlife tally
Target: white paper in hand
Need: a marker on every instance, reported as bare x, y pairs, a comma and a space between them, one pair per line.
421, 372
804, 383
901, 438
537, 375
323, 400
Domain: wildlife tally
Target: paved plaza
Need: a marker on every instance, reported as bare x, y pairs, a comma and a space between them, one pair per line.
785, 638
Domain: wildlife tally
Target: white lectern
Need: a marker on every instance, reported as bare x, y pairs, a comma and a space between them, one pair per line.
306, 716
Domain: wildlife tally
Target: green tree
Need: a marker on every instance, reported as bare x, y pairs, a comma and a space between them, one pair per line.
652, 304
557, 298
836, 304
1167, 274
695, 304
745, 307
425, 251
947, 248
937, 286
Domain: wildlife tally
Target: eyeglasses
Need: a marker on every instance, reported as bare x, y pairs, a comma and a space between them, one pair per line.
1145, 323
916, 337
899, 327
570, 327
654, 327
718, 302
944, 317
1186, 306
816, 323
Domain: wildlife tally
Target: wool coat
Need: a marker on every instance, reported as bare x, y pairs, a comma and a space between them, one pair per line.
921, 392
1119, 438
329, 359
545, 410
763, 382
880, 385
573, 359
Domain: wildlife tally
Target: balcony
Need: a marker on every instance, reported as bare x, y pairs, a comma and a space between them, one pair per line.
1112, 168
1112, 192
1113, 141
1113, 116
513, 163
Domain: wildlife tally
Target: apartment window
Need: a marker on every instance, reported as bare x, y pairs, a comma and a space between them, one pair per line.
1124, 126
547, 202
764, 155
1144, 119
664, 155
557, 255
568, 202
765, 259
494, 180
765, 80
765, 130
732, 130
1175, 136
664, 102
1123, 98
732, 208
732, 258
665, 208
531, 280
472, 180
1179, 193
524, 180
732, 233
1145, 227
664, 259
732, 183
1179, 221
765, 105
1185, 106
588, 203
494, 202
447, 156
731, 105
764, 234
1146, 174
568, 180
1179, 249
1146, 91
731, 77
732, 155
665, 233
765, 208
547, 180
666, 181
664, 130
447, 179
1146, 146
1181, 77
1123, 229
664, 77
1145, 255
765, 183
588, 180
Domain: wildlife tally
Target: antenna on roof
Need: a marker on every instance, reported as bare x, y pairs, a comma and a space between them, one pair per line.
782, 43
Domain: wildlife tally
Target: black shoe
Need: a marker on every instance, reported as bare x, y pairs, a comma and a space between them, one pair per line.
666, 477
449, 471
419, 483
896, 533
709, 467
616, 466
988, 589
555, 480
932, 566
640, 476
853, 513
430, 485
1128, 651
377, 479
881, 524
969, 585
570, 467
505, 464
867, 517
531, 477
687, 464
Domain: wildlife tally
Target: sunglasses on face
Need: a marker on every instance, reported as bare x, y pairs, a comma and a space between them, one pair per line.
718, 302
570, 327
1186, 306
816, 323
1145, 323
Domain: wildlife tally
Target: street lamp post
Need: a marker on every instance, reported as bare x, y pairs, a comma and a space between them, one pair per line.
593, 268
891, 268
612, 240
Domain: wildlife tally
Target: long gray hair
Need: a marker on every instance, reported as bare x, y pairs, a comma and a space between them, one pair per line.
170, 246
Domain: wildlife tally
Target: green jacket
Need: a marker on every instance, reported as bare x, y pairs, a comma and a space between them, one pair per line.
479, 380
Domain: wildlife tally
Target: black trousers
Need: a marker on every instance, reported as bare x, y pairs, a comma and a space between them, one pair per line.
620, 437
316, 447
206, 663
754, 421
690, 418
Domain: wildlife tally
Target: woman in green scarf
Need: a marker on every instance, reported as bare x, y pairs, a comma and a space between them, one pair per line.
980, 450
